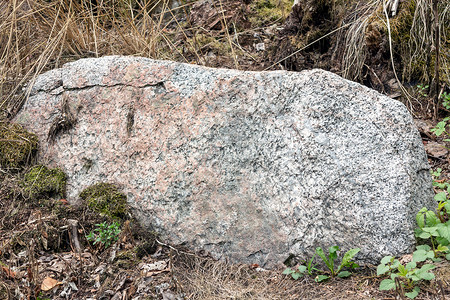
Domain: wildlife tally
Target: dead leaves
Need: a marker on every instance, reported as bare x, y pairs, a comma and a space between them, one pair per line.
157, 267
10, 274
49, 283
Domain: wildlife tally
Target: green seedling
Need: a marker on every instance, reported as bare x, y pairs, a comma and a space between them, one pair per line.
425, 252
302, 270
446, 100
105, 234
441, 128
330, 259
422, 89
406, 276
432, 227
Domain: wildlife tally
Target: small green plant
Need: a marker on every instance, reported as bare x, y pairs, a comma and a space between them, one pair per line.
440, 128
435, 226
308, 268
422, 90
332, 256
404, 276
105, 234
302, 270
41, 297
446, 100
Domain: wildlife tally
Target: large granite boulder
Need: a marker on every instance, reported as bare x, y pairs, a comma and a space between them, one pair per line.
250, 166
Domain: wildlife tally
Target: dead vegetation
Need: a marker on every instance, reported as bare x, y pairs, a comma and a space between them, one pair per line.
365, 41
39, 252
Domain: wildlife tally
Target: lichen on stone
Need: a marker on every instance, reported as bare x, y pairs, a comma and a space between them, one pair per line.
17, 146
41, 182
106, 199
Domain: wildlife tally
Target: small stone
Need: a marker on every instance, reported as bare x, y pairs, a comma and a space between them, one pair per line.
260, 47
435, 149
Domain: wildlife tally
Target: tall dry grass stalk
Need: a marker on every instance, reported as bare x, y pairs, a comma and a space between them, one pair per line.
38, 35
412, 35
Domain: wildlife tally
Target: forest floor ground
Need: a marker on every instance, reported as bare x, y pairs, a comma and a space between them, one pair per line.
38, 258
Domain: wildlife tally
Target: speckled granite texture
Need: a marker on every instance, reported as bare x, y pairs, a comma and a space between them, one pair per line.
250, 166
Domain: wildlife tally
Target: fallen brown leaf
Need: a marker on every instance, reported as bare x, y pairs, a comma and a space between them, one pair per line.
8, 272
49, 283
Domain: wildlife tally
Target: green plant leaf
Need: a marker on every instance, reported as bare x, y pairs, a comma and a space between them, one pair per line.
442, 241
441, 248
321, 254
387, 284
423, 247
422, 255
296, 275
382, 269
310, 265
444, 230
332, 257
348, 256
447, 206
439, 129
425, 275
436, 173
387, 259
433, 231
412, 275
395, 264
320, 278
354, 265
447, 257
402, 270
344, 274
302, 269
288, 271
427, 267
424, 235
427, 218
333, 250
442, 196
411, 265
413, 294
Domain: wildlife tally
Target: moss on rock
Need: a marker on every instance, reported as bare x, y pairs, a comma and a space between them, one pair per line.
17, 146
41, 182
106, 199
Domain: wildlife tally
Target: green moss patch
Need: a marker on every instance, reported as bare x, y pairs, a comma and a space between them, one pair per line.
106, 199
41, 182
17, 146
269, 11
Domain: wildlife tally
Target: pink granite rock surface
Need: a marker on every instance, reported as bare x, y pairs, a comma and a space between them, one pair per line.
250, 166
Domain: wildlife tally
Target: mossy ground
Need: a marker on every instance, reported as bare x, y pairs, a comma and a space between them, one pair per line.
41, 182
106, 199
270, 11
17, 146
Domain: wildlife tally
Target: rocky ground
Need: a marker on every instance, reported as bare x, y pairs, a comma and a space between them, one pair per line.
44, 252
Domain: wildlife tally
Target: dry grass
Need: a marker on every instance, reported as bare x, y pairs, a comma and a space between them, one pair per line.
205, 279
38, 35
413, 33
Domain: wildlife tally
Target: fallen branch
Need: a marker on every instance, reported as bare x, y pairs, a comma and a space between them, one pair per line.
73, 234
